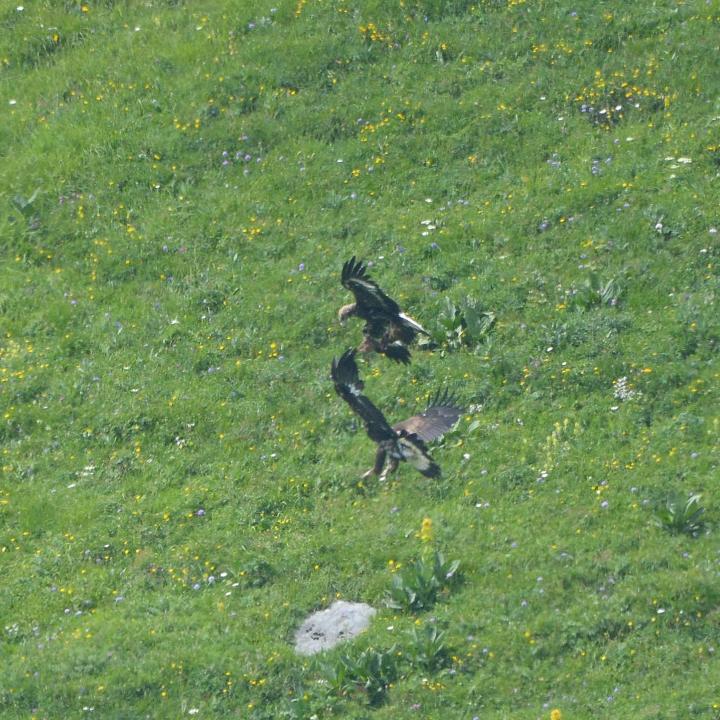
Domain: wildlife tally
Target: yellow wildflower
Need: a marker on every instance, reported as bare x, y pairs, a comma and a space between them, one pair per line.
426, 530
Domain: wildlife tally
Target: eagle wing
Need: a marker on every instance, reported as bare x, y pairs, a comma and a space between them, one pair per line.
344, 373
371, 301
442, 412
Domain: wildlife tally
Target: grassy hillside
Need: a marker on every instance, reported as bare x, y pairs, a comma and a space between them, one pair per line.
535, 182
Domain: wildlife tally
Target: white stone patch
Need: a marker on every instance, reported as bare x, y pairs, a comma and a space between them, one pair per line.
327, 628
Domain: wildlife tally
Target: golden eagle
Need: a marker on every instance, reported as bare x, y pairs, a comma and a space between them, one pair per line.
404, 440
387, 330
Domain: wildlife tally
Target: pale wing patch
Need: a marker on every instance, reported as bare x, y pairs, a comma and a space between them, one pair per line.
410, 322
414, 455
369, 285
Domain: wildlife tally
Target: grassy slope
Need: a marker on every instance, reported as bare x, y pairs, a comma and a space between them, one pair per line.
167, 413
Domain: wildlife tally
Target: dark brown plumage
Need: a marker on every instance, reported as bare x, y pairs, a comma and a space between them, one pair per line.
404, 441
387, 329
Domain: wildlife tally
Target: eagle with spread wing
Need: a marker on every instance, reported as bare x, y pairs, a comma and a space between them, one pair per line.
387, 329
404, 440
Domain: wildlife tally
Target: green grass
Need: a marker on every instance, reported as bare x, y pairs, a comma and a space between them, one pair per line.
179, 186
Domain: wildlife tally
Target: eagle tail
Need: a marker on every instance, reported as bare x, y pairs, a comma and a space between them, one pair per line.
397, 352
432, 470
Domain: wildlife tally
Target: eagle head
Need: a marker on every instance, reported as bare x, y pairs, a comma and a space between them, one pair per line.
346, 311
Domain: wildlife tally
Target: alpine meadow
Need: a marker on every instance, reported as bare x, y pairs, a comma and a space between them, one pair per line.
537, 186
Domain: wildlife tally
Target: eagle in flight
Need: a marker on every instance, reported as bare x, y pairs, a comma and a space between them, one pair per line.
404, 440
387, 329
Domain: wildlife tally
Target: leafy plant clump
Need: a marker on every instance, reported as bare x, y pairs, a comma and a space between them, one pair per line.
367, 674
427, 647
465, 324
419, 585
681, 517
595, 292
